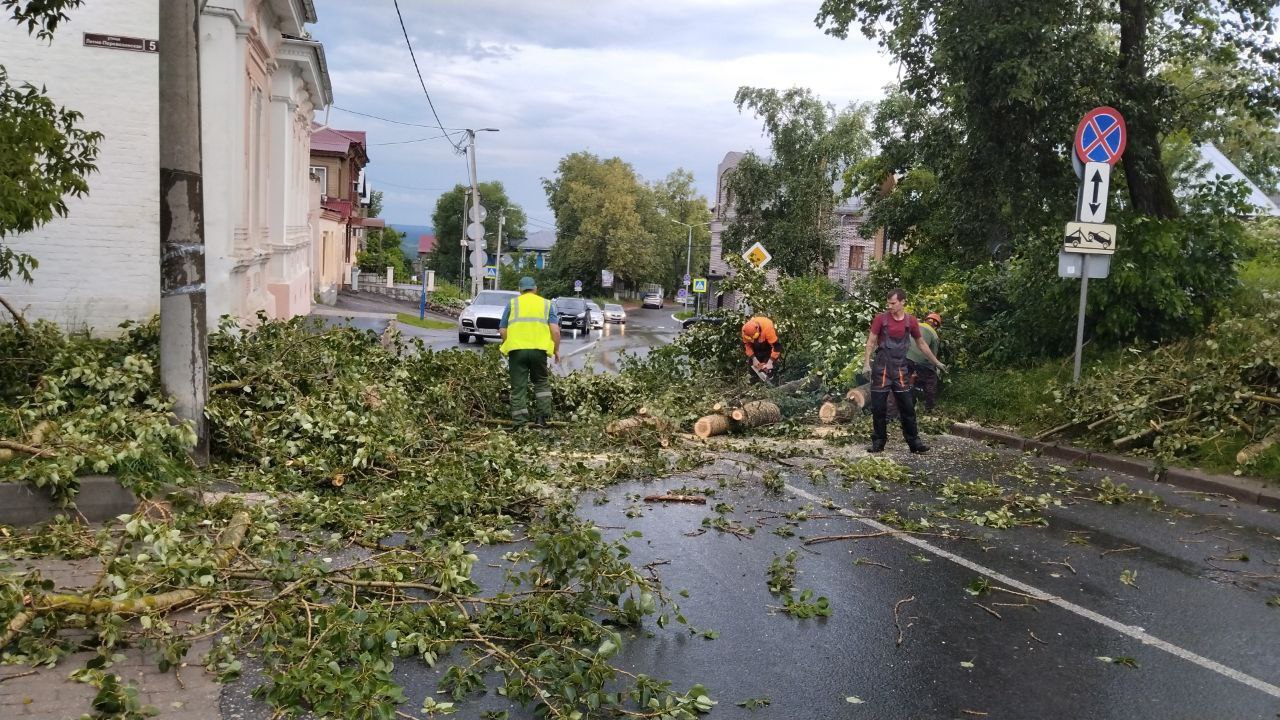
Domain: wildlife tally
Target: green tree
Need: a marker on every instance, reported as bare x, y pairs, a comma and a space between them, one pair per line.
676, 198
383, 250
451, 210
44, 155
600, 208
786, 201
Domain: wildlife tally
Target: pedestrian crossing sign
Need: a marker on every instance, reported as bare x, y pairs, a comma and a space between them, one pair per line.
757, 255
700, 285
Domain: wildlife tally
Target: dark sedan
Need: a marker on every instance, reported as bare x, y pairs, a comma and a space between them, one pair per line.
574, 313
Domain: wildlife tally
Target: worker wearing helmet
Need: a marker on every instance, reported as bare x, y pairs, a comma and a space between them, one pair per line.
760, 342
892, 332
923, 374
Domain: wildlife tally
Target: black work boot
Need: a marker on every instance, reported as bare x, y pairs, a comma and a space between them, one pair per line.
876, 446
917, 446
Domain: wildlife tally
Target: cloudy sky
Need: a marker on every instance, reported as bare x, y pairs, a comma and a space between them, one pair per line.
651, 81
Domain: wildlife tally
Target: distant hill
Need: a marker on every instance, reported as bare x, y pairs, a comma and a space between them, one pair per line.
411, 232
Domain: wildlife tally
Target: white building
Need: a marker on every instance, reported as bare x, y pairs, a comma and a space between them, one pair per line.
260, 88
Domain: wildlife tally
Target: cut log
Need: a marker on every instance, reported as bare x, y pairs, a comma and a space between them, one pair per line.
709, 425
860, 395
838, 412
757, 413
1249, 453
807, 383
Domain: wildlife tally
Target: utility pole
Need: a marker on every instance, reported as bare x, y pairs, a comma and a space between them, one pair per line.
184, 347
462, 253
477, 241
502, 219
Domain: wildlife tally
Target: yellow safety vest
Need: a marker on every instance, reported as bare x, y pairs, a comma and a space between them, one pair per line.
528, 324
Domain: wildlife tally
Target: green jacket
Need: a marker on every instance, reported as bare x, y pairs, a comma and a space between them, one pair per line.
930, 337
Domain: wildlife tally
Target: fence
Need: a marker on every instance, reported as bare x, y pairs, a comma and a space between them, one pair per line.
376, 284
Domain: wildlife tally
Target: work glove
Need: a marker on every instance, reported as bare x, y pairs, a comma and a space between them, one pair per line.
755, 364
767, 366
866, 369
942, 369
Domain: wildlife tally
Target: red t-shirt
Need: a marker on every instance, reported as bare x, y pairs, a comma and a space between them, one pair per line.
885, 324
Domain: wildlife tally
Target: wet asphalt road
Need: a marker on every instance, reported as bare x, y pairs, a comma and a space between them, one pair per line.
599, 350
1194, 633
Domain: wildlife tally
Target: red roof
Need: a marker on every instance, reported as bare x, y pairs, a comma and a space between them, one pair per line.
328, 140
426, 243
342, 207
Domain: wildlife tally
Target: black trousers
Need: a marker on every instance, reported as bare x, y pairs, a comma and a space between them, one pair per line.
926, 378
906, 415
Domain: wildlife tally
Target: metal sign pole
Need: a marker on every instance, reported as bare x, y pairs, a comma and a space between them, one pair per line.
1084, 294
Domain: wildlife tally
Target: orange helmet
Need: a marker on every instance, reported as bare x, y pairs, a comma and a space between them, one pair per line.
935, 318
750, 330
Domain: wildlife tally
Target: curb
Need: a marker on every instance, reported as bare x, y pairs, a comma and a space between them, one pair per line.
1244, 489
101, 498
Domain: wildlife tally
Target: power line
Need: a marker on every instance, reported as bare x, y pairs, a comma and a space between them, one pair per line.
406, 142
395, 122
408, 187
412, 56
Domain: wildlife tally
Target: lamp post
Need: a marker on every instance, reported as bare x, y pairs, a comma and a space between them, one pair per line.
477, 246
688, 255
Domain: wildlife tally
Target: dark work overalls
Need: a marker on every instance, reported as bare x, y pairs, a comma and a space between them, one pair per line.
889, 374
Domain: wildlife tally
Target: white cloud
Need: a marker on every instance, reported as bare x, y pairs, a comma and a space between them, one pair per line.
651, 82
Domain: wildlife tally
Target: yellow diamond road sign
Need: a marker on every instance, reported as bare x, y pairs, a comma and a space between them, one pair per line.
757, 255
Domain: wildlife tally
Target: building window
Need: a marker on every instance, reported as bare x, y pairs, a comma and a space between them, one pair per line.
856, 258
322, 173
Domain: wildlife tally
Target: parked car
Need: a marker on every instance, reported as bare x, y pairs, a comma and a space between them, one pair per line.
481, 318
615, 314
652, 300
710, 319
597, 315
573, 312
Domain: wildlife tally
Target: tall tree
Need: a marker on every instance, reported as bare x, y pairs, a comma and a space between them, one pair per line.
786, 201
44, 154
675, 198
1012, 77
600, 208
450, 213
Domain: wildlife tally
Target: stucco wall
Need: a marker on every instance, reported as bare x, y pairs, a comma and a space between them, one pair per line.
100, 265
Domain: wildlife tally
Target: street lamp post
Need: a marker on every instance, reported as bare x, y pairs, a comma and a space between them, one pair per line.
688, 254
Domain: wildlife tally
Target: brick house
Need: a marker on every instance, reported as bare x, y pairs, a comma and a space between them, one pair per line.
261, 84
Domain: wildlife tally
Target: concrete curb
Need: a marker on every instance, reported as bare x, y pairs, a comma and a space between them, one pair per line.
101, 498
1245, 489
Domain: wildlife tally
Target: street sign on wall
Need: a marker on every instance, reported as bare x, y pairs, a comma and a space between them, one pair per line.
1101, 136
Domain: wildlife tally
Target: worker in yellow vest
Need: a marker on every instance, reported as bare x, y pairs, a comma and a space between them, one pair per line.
530, 334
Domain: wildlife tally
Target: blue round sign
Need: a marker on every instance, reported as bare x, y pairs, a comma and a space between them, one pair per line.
577, 286
1101, 136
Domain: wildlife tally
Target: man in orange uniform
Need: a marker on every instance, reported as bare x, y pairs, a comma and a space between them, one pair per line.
760, 342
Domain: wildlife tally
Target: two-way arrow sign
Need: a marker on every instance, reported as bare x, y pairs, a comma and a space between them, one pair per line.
1091, 206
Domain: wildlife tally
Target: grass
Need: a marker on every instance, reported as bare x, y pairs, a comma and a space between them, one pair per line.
683, 314
428, 324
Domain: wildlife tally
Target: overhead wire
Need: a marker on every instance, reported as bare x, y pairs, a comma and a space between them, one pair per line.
395, 122
412, 56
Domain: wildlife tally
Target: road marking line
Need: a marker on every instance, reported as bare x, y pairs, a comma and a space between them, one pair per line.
1132, 631
584, 347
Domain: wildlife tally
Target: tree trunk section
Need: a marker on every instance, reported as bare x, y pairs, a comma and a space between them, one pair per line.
860, 395
1149, 189
1248, 453
709, 425
838, 412
757, 413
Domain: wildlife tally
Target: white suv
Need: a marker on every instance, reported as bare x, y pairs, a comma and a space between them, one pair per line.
481, 318
652, 300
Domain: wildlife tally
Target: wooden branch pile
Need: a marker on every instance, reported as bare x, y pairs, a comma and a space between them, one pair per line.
844, 411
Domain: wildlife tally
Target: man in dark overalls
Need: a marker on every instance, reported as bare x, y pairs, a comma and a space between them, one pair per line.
892, 332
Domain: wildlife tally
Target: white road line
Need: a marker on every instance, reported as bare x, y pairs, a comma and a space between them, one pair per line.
588, 346
1132, 631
